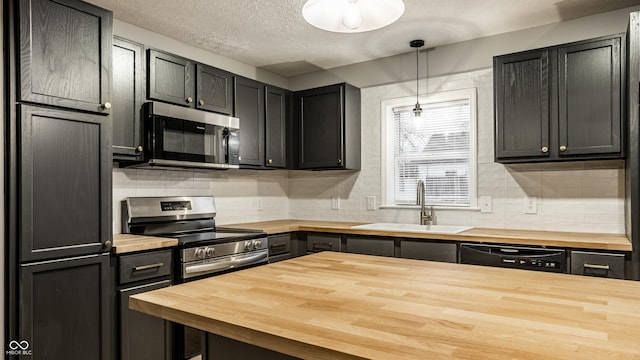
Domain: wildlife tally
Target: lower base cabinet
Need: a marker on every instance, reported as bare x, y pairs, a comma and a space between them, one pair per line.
432, 251
597, 264
371, 246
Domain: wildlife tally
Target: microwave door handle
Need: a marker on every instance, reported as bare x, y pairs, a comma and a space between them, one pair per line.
225, 142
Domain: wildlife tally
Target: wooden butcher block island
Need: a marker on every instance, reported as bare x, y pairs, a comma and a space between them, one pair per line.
334, 305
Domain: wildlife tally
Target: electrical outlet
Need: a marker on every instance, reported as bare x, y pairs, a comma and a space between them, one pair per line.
259, 203
335, 203
371, 202
485, 204
530, 205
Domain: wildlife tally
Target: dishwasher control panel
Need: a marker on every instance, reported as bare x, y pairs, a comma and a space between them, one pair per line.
519, 257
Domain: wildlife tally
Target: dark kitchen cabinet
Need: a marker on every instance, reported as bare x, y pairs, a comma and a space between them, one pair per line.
370, 246
560, 103
214, 89
591, 263
279, 247
328, 126
64, 308
65, 54
317, 242
65, 183
170, 78
426, 250
128, 94
249, 108
276, 126
142, 336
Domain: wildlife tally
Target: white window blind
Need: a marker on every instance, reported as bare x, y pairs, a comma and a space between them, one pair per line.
435, 148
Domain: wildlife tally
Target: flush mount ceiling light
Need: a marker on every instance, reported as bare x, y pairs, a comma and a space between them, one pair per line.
417, 44
352, 16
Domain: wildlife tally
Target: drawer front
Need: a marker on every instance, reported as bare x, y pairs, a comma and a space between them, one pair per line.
317, 243
381, 247
423, 250
597, 264
144, 266
279, 244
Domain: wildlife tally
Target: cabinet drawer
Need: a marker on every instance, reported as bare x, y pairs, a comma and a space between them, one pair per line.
317, 243
279, 245
371, 246
597, 264
423, 250
144, 266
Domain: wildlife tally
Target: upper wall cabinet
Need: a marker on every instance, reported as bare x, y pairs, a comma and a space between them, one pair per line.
328, 127
65, 54
276, 116
249, 108
183, 82
128, 93
560, 103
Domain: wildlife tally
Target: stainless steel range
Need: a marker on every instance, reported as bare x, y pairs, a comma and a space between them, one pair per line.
203, 249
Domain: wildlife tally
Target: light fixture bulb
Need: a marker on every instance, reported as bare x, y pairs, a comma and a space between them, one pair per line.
352, 17
417, 110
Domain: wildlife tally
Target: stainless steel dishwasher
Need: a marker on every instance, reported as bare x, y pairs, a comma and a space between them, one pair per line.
518, 257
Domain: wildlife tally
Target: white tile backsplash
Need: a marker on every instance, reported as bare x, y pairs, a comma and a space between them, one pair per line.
572, 196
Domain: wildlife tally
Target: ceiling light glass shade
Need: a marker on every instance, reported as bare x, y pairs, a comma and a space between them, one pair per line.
352, 16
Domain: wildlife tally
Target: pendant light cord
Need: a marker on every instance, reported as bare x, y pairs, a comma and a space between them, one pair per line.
417, 76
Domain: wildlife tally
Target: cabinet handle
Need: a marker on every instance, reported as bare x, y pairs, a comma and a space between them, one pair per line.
270, 161
322, 246
139, 148
147, 267
200, 102
189, 100
563, 148
106, 105
339, 161
595, 266
545, 149
274, 247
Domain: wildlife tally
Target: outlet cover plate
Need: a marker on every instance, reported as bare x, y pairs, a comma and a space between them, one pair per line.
486, 204
530, 205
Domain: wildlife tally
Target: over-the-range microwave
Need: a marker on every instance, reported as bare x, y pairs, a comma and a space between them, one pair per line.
175, 136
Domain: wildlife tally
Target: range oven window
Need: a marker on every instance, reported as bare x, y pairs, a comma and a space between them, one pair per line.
178, 139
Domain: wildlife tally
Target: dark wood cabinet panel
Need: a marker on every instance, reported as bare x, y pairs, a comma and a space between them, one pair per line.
589, 91
431, 251
370, 246
214, 89
249, 108
522, 110
171, 78
65, 54
276, 127
560, 103
142, 336
329, 127
127, 97
65, 174
65, 308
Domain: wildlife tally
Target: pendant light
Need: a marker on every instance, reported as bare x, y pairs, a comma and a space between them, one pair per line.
352, 16
417, 44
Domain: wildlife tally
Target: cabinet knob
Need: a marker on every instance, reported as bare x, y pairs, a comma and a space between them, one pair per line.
545, 149
139, 148
200, 102
563, 148
270, 161
189, 100
339, 161
106, 105
107, 244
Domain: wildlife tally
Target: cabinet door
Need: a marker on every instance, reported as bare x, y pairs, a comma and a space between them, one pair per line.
214, 89
127, 99
65, 310
142, 336
249, 108
431, 251
589, 93
171, 78
65, 54
522, 93
276, 127
321, 123
372, 246
65, 181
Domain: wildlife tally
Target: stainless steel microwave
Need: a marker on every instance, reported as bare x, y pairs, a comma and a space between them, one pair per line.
180, 137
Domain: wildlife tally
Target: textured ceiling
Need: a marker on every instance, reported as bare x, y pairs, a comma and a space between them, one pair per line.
272, 34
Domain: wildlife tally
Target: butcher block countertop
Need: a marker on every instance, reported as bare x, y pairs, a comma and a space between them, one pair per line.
521, 237
127, 243
334, 305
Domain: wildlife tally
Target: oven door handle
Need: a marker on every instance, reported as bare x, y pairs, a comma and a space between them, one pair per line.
226, 264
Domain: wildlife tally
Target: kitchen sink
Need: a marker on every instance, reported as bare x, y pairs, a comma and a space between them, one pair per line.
428, 229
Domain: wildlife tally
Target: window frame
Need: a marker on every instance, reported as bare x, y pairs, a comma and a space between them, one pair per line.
387, 146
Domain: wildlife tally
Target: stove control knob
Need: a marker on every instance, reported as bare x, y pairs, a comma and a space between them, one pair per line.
257, 244
200, 253
210, 252
247, 246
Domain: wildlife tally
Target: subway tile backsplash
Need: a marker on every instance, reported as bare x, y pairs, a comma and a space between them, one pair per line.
575, 196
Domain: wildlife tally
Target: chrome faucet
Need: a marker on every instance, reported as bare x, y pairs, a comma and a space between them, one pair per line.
425, 212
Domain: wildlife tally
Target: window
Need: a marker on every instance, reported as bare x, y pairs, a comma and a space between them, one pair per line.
438, 148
